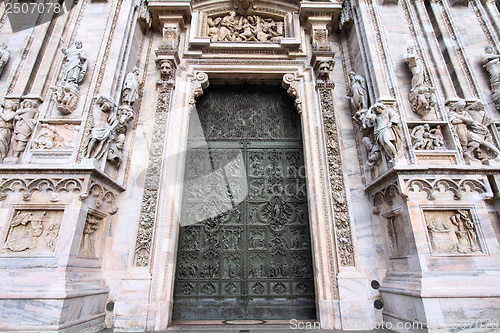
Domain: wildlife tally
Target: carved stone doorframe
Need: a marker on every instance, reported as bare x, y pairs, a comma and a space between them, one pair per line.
299, 82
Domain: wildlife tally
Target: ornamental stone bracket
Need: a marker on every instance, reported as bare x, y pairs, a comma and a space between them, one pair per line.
320, 17
170, 19
198, 84
170, 14
291, 83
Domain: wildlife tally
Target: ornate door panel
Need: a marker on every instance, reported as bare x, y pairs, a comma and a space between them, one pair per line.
244, 248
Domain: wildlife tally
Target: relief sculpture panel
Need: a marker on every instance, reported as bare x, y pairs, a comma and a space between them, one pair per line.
452, 232
33, 232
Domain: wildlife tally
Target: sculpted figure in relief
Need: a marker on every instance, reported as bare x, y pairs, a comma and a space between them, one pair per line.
75, 63
27, 240
6, 127
491, 62
24, 124
422, 96
466, 235
386, 128
130, 91
4, 56
423, 137
104, 124
233, 28
471, 127
47, 137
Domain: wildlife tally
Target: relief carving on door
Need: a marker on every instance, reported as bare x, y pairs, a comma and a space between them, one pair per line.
244, 247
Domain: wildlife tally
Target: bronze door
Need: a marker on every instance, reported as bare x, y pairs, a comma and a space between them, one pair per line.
244, 246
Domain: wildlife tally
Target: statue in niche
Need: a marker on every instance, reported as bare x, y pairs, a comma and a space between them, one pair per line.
24, 125
373, 152
74, 63
104, 124
425, 138
357, 91
471, 127
47, 137
466, 235
130, 91
491, 62
6, 126
386, 129
422, 96
233, 28
4, 56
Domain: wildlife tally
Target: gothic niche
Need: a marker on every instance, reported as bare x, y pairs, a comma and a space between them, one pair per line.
422, 95
452, 231
397, 237
238, 28
66, 94
93, 236
33, 232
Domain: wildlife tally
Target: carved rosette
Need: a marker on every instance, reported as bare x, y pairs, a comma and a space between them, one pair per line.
345, 247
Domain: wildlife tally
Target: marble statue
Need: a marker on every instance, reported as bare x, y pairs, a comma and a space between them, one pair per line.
386, 128
103, 127
422, 96
115, 152
357, 91
130, 91
466, 235
373, 152
6, 127
491, 62
471, 128
24, 125
425, 138
66, 93
74, 63
416, 70
4, 56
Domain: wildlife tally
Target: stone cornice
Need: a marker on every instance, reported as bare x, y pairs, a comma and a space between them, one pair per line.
431, 170
61, 171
